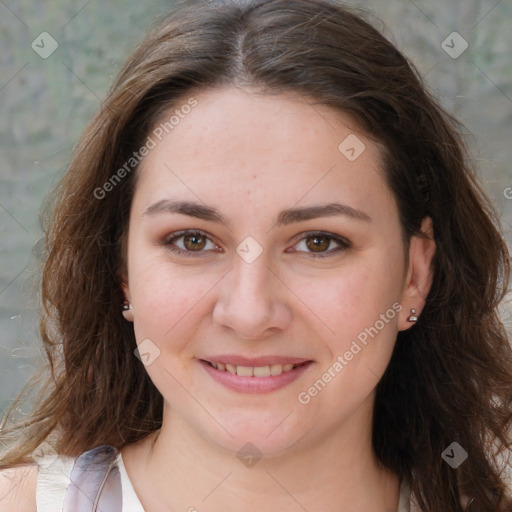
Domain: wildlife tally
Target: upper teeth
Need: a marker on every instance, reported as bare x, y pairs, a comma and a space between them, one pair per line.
254, 371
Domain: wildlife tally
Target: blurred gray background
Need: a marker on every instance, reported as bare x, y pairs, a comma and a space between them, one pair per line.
46, 101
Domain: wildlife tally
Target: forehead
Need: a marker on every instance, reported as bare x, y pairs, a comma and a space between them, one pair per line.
237, 146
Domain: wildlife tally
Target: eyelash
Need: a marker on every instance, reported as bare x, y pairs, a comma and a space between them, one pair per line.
343, 244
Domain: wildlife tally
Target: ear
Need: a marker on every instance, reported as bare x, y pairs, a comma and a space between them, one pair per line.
124, 284
419, 274
127, 313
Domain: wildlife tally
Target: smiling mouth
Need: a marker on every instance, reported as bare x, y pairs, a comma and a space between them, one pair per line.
255, 371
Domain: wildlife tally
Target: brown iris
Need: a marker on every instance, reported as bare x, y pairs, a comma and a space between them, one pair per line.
317, 243
194, 242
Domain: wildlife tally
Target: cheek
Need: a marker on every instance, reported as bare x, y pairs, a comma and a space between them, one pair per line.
167, 305
360, 306
165, 299
353, 297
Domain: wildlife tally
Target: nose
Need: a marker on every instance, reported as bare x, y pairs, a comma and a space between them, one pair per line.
252, 301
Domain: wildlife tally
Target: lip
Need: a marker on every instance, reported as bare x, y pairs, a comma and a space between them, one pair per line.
256, 384
255, 361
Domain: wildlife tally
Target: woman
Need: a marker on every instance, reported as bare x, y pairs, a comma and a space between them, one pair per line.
271, 283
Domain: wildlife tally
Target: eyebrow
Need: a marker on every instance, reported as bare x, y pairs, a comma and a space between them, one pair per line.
285, 217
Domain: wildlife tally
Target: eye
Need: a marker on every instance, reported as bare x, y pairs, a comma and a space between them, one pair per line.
189, 242
316, 244
321, 245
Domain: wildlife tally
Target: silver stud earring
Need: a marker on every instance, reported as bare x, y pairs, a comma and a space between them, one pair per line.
413, 317
127, 311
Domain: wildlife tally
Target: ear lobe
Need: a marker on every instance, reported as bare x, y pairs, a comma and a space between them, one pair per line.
127, 309
128, 312
419, 274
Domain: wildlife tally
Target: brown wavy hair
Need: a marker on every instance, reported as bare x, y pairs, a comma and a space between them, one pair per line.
450, 376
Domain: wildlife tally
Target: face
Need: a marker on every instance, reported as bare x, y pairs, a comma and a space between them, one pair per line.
264, 241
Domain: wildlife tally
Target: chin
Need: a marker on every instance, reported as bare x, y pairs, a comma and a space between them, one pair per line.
258, 437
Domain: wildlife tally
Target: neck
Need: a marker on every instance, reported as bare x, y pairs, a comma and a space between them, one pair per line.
179, 468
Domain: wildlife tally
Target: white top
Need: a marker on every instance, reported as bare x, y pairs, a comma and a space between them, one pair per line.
54, 477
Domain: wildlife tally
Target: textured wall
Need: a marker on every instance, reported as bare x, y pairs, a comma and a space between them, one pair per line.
46, 100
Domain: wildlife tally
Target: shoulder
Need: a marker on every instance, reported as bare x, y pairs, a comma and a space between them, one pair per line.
38, 486
18, 489
43, 486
